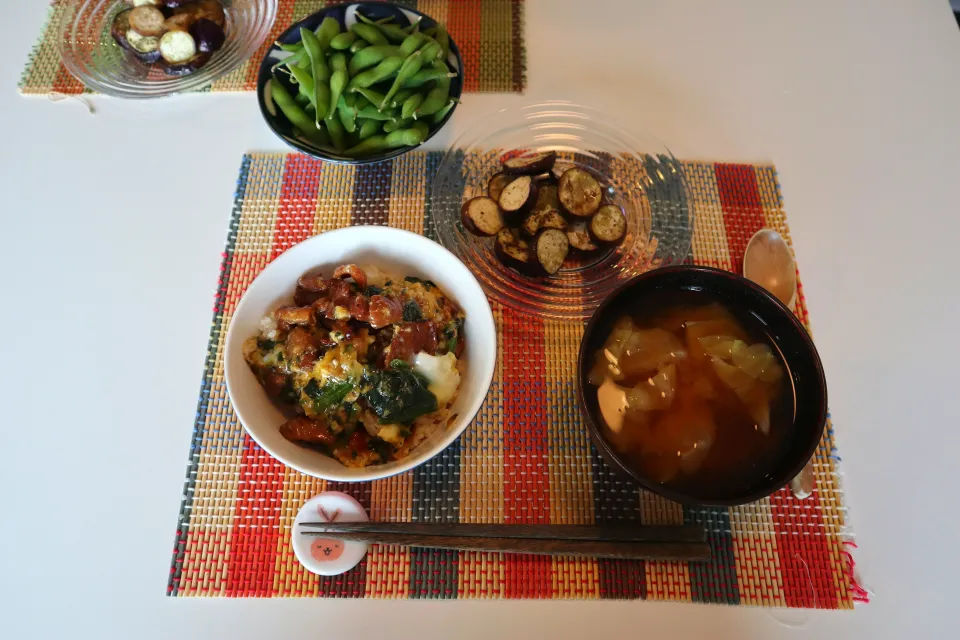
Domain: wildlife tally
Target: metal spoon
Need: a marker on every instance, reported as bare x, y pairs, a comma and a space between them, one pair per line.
769, 262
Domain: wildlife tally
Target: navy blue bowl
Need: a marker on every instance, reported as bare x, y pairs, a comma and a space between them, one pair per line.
345, 15
780, 324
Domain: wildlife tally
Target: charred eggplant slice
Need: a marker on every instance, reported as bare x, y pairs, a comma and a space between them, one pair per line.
545, 219
517, 198
147, 21
120, 26
579, 192
513, 251
187, 66
550, 249
481, 216
608, 225
496, 184
578, 235
531, 165
546, 198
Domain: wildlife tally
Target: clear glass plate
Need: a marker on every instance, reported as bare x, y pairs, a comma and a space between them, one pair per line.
89, 52
641, 176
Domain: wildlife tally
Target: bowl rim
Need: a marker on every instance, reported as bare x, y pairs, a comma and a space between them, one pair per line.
264, 76
488, 358
613, 458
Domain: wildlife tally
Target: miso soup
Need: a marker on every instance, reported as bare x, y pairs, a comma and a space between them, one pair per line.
693, 394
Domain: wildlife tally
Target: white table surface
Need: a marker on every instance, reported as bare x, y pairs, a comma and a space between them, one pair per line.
109, 268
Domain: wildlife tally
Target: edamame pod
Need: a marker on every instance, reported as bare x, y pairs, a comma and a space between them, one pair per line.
297, 117
380, 72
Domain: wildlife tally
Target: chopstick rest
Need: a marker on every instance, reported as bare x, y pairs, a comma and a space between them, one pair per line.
324, 556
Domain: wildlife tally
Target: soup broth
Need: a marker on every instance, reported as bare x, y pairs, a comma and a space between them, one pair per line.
694, 395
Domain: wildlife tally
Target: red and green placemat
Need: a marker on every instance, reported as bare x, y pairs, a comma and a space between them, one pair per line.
525, 459
489, 34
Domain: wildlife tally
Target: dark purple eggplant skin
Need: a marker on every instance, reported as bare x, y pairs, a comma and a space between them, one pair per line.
119, 28
208, 34
147, 58
525, 267
185, 68
542, 165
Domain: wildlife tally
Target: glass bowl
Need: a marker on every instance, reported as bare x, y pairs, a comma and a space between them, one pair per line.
89, 52
639, 174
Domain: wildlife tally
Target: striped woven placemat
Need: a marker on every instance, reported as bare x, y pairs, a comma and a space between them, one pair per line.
489, 34
525, 459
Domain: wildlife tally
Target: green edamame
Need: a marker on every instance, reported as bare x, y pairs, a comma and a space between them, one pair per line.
369, 127
380, 72
440, 115
370, 56
320, 74
371, 111
338, 80
408, 137
401, 97
347, 112
327, 31
358, 44
369, 33
424, 76
392, 125
337, 133
305, 82
375, 97
431, 51
409, 67
443, 39
343, 40
411, 43
292, 60
301, 99
408, 110
296, 47
373, 144
297, 117
390, 31
436, 98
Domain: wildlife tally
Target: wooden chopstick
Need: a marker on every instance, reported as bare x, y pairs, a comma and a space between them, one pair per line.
601, 533
536, 546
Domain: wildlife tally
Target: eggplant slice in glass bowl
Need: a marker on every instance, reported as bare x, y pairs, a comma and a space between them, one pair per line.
623, 206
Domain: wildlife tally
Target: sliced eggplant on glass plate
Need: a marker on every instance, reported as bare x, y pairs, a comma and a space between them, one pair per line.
578, 235
543, 219
531, 165
147, 20
496, 184
579, 192
513, 251
550, 249
145, 48
120, 26
608, 225
517, 198
481, 216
